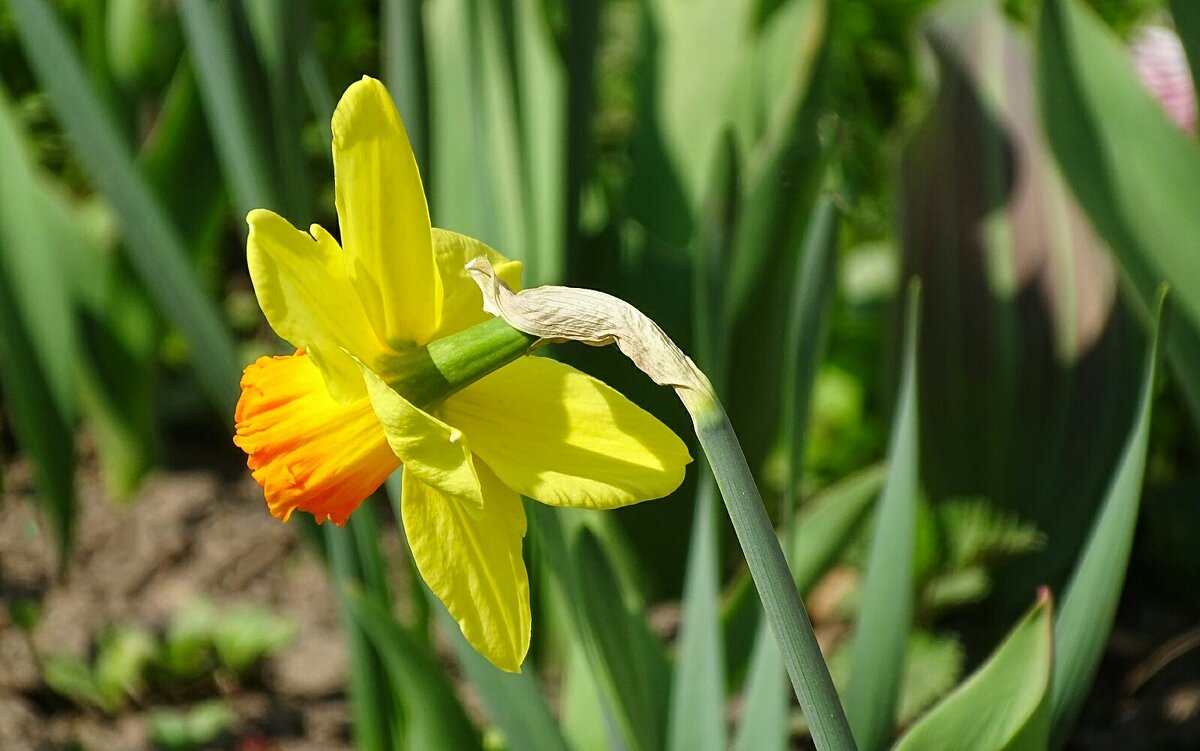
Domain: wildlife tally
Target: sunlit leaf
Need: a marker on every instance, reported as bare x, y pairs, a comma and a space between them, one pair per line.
69, 676
405, 72
782, 176
1003, 705
496, 174
121, 658
197, 727
584, 718
244, 636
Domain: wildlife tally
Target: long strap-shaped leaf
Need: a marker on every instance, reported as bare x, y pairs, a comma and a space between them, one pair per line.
368, 685
1134, 172
514, 701
764, 721
697, 719
236, 134
434, 718
38, 341
1090, 604
402, 41
697, 702
154, 245
626, 661
282, 34
881, 630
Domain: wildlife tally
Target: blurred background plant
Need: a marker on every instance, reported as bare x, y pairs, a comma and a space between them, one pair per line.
762, 177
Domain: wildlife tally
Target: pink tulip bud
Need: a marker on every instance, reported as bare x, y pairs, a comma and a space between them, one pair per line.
1162, 65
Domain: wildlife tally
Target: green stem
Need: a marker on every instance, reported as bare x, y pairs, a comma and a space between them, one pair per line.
768, 567
560, 313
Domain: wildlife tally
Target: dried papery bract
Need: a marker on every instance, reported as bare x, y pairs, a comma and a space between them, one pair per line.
559, 314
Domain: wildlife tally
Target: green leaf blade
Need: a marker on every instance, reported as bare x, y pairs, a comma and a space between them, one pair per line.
1089, 605
1133, 171
1002, 706
208, 28
155, 248
38, 340
368, 686
622, 657
764, 724
1186, 15
697, 718
825, 524
513, 700
434, 718
633, 666
816, 279
881, 630
402, 41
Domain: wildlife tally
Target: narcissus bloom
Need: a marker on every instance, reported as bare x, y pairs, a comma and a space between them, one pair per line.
377, 382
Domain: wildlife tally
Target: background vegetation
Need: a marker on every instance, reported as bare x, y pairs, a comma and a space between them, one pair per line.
763, 178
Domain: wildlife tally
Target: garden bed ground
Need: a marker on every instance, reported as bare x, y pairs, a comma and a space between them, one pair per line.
187, 535
205, 534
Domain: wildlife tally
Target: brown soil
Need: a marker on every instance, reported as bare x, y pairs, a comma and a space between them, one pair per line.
197, 534
187, 535
1146, 694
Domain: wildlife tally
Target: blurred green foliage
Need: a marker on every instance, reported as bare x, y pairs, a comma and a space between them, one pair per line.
130, 663
197, 727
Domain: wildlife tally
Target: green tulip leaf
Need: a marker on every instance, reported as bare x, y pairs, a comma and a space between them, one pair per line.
1003, 705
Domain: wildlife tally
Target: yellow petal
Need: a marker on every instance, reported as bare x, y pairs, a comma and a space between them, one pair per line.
561, 437
383, 217
473, 565
301, 284
431, 450
462, 302
308, 452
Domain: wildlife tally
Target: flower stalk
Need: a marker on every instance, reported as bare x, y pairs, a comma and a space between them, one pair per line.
785, 610
597, 319
428, 374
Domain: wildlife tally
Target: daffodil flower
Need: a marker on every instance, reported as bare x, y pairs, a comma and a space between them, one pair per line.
369, 390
